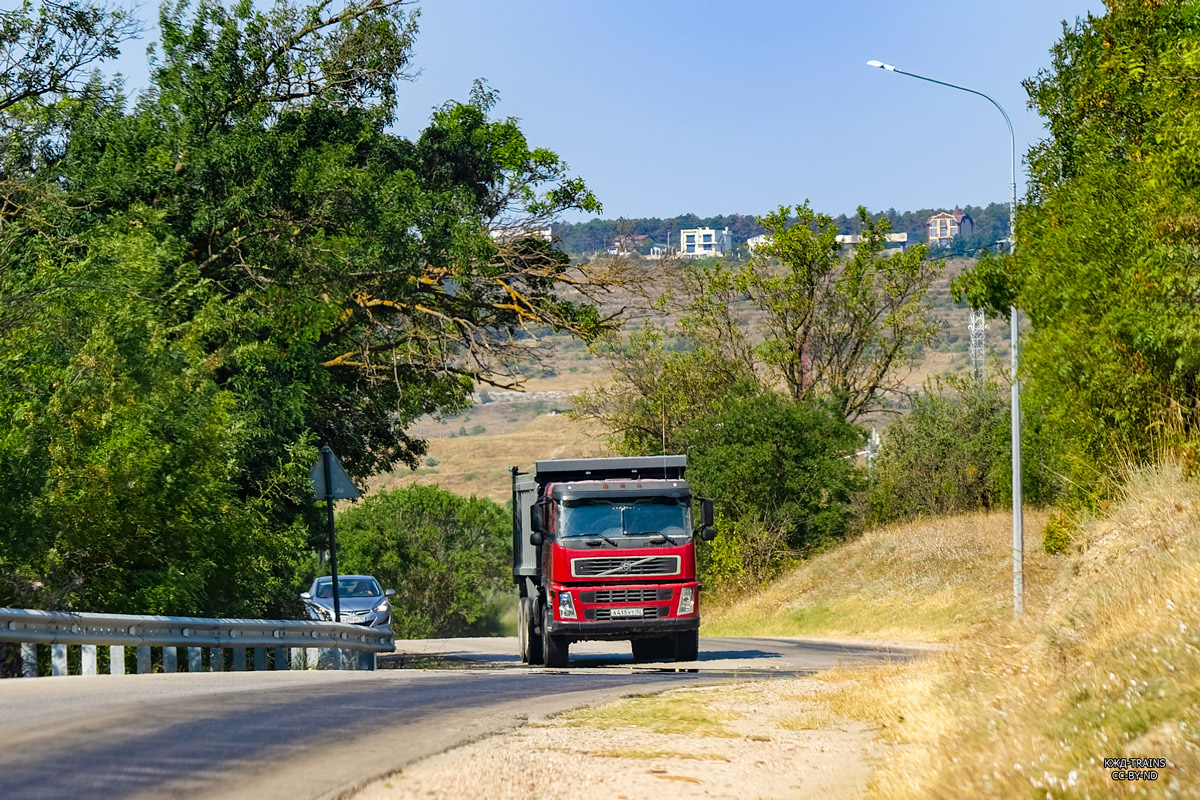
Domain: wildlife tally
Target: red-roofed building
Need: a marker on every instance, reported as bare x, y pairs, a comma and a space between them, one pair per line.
945, 226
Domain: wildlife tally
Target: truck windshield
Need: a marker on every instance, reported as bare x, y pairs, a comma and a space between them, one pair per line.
668, 516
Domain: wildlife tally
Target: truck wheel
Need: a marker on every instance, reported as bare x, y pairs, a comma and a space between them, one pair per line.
523, 629
687, 646
556, 649
532, 652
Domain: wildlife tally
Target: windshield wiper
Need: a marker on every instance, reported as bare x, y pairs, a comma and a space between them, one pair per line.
605, 538
663, 538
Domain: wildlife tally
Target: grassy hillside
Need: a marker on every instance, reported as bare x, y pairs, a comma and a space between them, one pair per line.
1105, 663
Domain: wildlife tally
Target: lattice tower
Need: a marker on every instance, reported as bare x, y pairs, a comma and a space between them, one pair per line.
977, 330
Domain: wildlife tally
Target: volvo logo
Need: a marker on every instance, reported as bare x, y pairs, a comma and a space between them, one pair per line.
626, 566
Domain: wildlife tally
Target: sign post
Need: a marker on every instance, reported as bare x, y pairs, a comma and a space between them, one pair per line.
330, 481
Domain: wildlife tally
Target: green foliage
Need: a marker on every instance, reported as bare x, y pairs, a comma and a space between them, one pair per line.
783, 462
952, 454
1107, 238
837, 327
445, 556
198, 289
1058, 533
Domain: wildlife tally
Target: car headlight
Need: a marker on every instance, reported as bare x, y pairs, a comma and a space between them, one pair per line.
566, 606
382, 607
687, 601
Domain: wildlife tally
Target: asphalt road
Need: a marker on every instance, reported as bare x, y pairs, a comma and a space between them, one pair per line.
322, 734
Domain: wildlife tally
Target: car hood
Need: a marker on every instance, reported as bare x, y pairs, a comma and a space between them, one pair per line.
350, 603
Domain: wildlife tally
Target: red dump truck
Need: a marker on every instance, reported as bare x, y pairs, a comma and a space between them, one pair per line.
603, 549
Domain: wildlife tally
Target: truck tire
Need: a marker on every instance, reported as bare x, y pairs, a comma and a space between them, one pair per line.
556, 649
532, 649
687, 646
523, 629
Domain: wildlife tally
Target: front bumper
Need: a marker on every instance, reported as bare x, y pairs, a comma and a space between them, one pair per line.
623, 628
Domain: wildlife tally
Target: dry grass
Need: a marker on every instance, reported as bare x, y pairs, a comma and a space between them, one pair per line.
1108, 666
666, 713
930, 580
478, 465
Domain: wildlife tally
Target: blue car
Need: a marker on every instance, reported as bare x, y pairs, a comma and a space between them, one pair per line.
362, 600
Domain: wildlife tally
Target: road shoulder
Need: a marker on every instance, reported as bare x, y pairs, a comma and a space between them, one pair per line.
773, 738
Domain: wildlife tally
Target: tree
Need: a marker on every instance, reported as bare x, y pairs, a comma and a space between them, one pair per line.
839, 328
1105, 266
243, 265
445, 555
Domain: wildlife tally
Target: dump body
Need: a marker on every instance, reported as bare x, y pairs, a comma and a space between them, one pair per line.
611, 556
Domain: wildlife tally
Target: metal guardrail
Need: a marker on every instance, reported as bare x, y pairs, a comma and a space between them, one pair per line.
294, 644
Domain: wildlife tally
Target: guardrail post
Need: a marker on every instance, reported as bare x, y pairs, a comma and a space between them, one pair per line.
116, 659
87, 660
260, 659
216, 659
239, 659
193, 656
143, 659
281, 657
170, 659
366, 660
28, 660
58, 659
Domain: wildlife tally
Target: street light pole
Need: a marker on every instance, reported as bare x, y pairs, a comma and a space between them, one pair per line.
1014, 318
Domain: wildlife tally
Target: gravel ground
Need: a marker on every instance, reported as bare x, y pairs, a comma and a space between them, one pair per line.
773, 741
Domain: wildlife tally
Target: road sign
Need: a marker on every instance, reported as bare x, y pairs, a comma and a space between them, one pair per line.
331, 482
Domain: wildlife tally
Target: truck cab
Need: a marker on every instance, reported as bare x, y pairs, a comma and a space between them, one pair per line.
604, 549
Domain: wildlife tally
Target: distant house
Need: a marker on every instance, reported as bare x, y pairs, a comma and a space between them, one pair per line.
703, 242
628, 243
755, 242
945, 226
890, 240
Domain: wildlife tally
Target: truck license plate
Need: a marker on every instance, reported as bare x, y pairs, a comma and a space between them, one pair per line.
625, 612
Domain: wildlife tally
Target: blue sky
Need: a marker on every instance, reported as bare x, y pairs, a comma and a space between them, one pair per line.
666, 107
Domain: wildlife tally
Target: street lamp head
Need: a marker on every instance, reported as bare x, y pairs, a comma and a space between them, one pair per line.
881, 65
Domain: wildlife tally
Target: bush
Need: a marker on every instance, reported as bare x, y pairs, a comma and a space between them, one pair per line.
777, 472
444, 554
430, 461
953, 454
1058, 533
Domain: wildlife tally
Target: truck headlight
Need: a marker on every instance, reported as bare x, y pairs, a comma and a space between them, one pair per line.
687, 601
566, 606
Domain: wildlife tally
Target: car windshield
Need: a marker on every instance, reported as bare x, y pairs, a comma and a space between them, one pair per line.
668, 516
349, 587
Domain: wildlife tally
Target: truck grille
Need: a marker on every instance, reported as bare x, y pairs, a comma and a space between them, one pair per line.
621, 567
651, 612
625, 595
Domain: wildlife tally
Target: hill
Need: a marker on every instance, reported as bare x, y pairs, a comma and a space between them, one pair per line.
1104, 664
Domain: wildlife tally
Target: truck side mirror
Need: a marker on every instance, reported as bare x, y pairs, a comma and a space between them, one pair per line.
537, 517
536, 538
707, 532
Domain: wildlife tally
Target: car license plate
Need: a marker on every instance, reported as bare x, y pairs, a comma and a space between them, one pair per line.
625, 612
